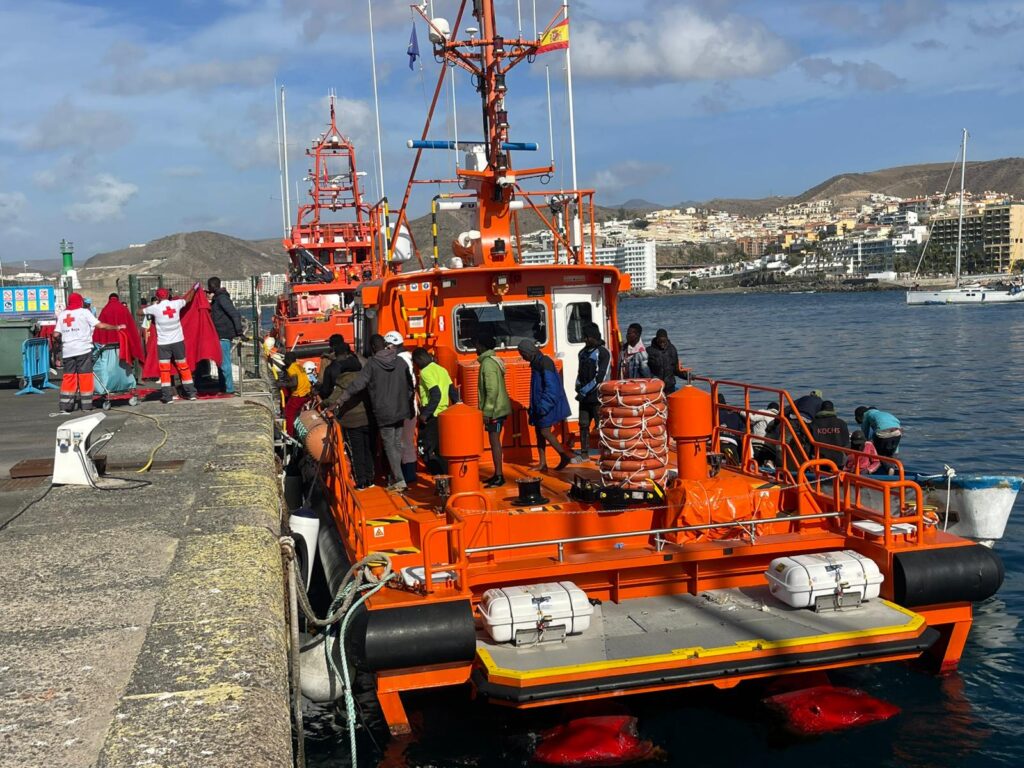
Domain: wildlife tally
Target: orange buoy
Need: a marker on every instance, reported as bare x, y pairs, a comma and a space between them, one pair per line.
311, 430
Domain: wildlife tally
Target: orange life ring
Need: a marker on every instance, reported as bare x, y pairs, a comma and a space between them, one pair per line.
649, 415
647, 387
613, 432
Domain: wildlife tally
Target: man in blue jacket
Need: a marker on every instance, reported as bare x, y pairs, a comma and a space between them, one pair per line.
881, 428
548, 403
594, 361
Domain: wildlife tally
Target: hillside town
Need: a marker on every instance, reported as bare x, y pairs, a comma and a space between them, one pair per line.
882, 237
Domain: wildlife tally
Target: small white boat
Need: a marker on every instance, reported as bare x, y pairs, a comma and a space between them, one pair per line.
966, 294
972, 505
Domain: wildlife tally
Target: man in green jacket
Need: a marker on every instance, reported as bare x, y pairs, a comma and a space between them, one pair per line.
436, 394
493, 401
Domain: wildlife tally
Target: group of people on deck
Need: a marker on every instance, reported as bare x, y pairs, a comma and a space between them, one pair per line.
879, 434
79, 330
396, 395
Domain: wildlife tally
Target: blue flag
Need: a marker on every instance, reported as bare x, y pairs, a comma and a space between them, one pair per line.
414, 47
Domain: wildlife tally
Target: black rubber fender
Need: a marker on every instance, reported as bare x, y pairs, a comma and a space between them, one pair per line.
948, 575
413, 636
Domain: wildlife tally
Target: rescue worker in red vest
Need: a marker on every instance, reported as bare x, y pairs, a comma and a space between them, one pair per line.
170, 341
75, 326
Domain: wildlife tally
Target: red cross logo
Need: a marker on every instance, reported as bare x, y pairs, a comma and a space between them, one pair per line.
69, 320
169, 312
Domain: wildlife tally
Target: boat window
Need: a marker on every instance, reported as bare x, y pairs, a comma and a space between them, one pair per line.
507, 323
579, 316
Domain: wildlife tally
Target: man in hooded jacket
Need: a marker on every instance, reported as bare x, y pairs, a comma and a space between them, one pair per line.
228, 323
389, 383
828, 428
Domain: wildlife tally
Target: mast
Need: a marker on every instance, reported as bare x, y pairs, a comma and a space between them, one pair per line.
284, 138
960, 226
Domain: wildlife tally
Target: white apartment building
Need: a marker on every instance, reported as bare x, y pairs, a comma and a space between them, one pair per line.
637, 258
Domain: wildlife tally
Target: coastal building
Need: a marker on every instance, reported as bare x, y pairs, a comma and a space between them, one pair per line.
993, 237
636, 258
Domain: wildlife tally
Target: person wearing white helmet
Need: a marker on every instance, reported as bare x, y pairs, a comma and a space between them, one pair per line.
394, 339
390, 389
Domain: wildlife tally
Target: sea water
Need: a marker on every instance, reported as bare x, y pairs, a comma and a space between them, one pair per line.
954, 375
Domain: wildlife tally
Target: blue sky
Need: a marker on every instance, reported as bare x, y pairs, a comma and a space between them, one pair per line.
125, 120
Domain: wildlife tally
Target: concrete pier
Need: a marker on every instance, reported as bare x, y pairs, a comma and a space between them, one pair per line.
145, 627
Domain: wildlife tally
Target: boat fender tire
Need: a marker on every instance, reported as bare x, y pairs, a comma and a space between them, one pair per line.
948, 575
419, 635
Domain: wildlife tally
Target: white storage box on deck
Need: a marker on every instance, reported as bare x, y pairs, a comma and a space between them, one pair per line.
510, 610
802, 580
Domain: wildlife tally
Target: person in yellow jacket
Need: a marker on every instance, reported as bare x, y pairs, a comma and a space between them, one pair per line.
436, 393
494, 402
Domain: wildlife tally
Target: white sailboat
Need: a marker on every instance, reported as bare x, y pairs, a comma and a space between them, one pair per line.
964, 293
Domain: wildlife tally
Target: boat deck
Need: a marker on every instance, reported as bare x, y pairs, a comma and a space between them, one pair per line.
686, 639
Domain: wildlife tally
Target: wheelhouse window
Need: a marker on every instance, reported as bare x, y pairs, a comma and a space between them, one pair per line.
579, 316
508, 323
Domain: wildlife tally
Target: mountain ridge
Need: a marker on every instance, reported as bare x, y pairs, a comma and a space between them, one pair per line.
204, 253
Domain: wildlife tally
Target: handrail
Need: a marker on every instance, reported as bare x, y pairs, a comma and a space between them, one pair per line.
453, 510
458, 565
885, 517
752, 522
786, 405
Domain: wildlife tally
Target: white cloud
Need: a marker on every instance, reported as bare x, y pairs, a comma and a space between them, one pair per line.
889, 19
626, 174
129, 79
865, 75
12, 204
105, 199
66, 126
678, 44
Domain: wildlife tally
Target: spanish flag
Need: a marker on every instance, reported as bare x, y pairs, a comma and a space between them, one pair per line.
555, 38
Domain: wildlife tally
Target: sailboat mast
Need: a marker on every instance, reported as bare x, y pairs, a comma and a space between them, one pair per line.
960, 226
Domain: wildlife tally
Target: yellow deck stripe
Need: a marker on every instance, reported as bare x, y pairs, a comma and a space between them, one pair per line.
698, 652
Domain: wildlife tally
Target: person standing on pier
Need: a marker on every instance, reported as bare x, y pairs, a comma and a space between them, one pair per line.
165, 313
75, 326
228, 323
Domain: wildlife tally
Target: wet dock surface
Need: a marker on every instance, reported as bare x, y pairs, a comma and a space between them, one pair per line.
145, 626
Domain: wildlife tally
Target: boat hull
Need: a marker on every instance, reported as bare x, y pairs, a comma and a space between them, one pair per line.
963, 296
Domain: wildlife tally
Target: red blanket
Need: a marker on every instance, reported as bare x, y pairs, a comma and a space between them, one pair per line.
116, 313
201, 341
151, 368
